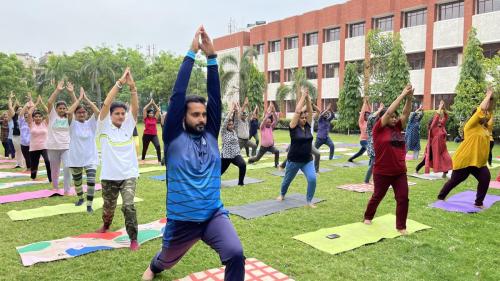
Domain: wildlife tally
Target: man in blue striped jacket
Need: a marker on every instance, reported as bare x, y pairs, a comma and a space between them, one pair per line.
194, 208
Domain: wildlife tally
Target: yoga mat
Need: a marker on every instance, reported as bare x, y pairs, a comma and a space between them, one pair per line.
362, 187
4, 175
21, 183
494, 165
352, 164
264, 158
357, 234
463, 202
268, 207
234, 182
255, 270
159, 178
44, 193
282, 173
148, 162
61, 209
151, 169
430, 176
327, 158
495, 184
74, 246
341, 144
7, 167
340, 149
7, 161
260, 166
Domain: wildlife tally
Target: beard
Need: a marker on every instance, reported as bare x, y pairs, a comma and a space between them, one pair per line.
195, 130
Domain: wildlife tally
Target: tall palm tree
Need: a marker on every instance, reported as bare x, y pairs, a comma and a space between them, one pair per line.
300, 81
98, 66
226, 73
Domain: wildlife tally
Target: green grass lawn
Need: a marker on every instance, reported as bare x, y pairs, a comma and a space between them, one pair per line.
458, 247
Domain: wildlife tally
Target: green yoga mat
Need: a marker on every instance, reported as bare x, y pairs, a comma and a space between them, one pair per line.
151, 169
260, 166
61, 209
355, 235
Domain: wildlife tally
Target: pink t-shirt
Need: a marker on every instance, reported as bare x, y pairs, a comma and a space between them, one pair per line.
58, 136
38, 136
267, 138
150, 126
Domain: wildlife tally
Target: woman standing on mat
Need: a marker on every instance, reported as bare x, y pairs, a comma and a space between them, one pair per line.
231, 152
58, 137
25, 133
150, 131
324, 125
372, 118
4, 121
436, 154
366, 109
412, 133
390, 167
299, 154
13, 112
472, 154
82, 147
254, 126
266, 131
120, 169
38, 139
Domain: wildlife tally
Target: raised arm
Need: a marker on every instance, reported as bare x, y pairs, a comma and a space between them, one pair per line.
407, 108
309, 108
10, 112
394, 106
229, 116
92, 105
71, 91
214, 105
53, 96
157, 110
177, 107
110, 97
134, 98
43, 106
298, 111
145, 109
71, 110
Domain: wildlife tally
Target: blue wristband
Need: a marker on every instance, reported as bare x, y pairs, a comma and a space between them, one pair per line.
212, 61
191, 54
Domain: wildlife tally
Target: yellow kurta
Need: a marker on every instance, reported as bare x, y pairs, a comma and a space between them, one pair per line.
473, 151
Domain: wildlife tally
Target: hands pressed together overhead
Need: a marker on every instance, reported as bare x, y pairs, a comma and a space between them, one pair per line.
202, 41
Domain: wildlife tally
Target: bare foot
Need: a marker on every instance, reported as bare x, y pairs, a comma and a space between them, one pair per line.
367, 222
312, 206
403, 231
317, 175
280, 168
480, 207
280, 198
148, 275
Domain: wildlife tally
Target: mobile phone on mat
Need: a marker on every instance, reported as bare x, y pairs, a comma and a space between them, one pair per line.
333, 236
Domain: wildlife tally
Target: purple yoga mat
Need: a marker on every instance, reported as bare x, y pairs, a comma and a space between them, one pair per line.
463, 202
44, 193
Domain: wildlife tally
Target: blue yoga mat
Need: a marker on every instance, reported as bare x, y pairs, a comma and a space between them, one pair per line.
159, 178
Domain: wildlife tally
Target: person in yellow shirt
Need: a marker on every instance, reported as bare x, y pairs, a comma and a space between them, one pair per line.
472, 154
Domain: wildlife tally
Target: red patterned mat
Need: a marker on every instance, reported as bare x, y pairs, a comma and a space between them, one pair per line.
363, 187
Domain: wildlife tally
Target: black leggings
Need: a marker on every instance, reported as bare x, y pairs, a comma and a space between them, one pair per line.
490, 156
237, 161
262, 151
25, 149
482, 175
146, 139
35, 161
421, 164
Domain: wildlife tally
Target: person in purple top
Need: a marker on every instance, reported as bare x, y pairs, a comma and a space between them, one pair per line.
324, 125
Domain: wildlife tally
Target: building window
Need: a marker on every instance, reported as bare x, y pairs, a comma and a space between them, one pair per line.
447, 98
291, 43
260, 49
290, 74
486, 6
311, 72
274, 76
416, 61
451, 10
330, 70
447, 57
417, 17
274, 46
490, 50
328, 101
384, 24
359, 65
332, 34
311, 39
290, 106
356, 29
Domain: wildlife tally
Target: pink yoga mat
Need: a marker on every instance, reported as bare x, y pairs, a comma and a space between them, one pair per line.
7, 161
495, 184
44, 193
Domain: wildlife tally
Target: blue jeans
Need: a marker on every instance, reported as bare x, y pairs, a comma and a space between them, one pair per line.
291, 170
362, 150
328, 141
370, 168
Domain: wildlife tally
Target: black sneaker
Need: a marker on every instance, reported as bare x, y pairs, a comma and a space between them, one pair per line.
79, 202
90, 210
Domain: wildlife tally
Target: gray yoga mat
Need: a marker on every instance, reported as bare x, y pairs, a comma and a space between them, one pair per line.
234, 182
268, 207
352, 164
430, 176
282, 173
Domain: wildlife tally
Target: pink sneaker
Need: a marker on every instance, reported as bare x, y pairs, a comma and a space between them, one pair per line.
102, 229
134, 246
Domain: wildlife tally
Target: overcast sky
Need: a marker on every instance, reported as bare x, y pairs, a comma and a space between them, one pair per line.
37, 26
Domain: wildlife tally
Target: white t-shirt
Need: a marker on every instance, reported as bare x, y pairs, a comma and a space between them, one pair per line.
118, 156
58, 136
82, 147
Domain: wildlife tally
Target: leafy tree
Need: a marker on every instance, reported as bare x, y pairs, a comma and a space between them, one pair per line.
349, 103
375, 75
299, 81
398, 74
13, 77
255, 87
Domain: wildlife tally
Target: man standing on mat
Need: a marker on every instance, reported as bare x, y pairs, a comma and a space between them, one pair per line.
194, 208
266, 131
324, 126
243, 129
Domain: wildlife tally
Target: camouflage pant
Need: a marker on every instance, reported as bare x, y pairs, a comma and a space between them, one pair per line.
110, 191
